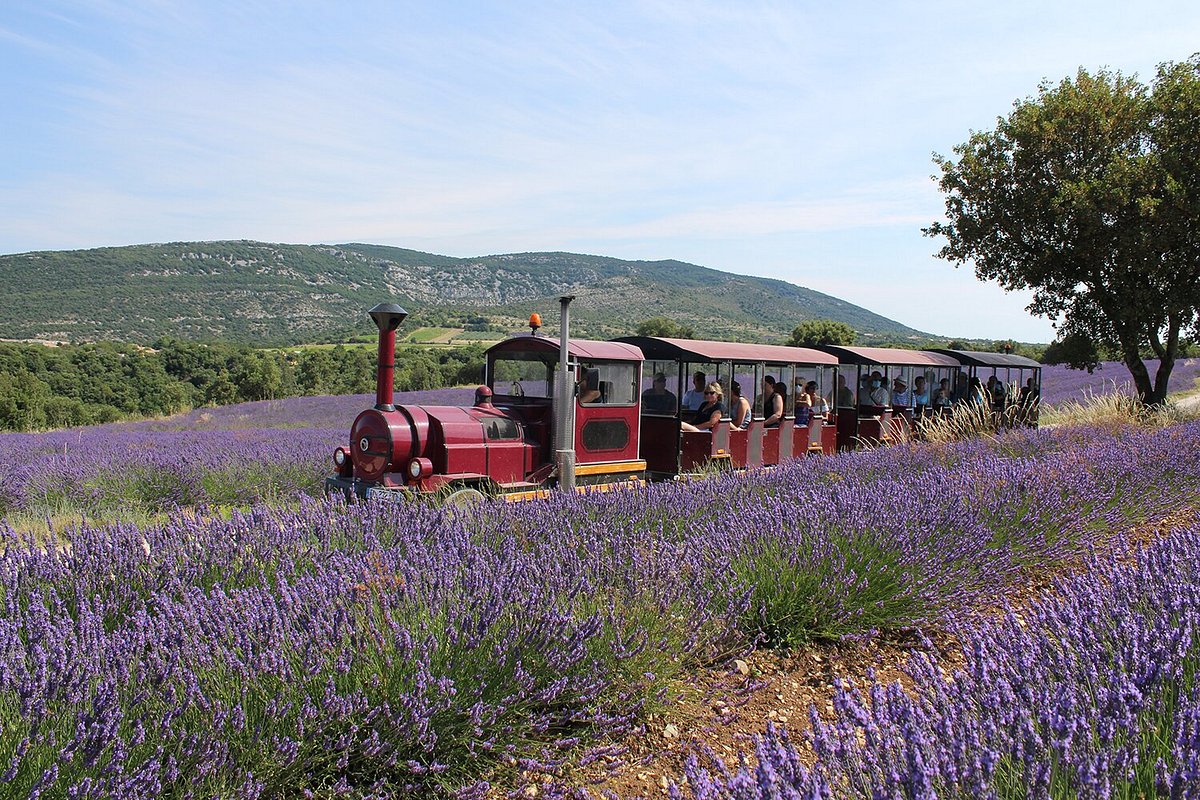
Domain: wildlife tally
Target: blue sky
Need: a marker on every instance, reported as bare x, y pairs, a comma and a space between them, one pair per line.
789, 140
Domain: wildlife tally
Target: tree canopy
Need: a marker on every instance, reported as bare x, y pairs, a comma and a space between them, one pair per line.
666, 328
1089, 195
814, 332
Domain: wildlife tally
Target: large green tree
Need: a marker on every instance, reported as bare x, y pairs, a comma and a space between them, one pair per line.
815, 332
1089, 195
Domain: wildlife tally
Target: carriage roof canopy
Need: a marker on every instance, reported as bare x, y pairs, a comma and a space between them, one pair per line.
577, 348
664, 349
977, 358
888, 357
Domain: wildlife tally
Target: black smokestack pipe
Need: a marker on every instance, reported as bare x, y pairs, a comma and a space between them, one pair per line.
388, 317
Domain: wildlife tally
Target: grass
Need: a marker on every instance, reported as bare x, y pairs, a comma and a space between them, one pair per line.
1119, 408
430, 335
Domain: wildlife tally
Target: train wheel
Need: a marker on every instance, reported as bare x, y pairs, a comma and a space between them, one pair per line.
465, 497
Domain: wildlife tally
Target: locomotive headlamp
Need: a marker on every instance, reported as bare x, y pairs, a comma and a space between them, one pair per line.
420, 468
339, 457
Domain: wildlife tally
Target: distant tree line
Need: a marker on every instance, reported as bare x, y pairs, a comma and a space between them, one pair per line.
54, 387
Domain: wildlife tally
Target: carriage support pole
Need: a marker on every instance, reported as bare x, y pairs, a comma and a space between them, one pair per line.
565, 435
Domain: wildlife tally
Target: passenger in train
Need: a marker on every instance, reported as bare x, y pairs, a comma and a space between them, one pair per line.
772, 403
819, 404
739, 407
1028, 395
588, 387
962, 387
920, 395
943, 398
710, 411
901, 396
845, 395
694, 398
658, 399
762, 403
975, 395
1027, 399
998, 392
877, 394
804, 407
781, 390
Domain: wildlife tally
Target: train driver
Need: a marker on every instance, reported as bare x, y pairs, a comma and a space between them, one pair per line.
588, 387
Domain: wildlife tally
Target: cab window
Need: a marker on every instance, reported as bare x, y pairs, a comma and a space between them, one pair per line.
617, 383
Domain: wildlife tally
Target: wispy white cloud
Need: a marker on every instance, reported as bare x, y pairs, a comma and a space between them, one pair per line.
771, 138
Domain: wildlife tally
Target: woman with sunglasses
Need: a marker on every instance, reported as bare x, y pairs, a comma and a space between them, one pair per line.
710, 412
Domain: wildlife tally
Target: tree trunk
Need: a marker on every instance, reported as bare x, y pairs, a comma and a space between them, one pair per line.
1161, 378
1141, 376
1166, 352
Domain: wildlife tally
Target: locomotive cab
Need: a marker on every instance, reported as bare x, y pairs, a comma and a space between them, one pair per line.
523, 374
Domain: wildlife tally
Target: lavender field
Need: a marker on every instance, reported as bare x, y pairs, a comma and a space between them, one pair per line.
270, 450
1061, 385
1090, 693
380, 650
233, 455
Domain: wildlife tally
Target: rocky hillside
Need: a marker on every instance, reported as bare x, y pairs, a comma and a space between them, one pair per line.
259, 293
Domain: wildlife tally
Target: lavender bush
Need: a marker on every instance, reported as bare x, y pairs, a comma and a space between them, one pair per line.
407, 649
1089, 694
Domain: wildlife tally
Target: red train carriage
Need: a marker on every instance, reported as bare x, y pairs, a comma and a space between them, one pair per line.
669, 450
868, 383
604, 432
1009, 382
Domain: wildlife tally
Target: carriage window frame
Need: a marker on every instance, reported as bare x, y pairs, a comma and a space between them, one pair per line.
670, 369
622, 374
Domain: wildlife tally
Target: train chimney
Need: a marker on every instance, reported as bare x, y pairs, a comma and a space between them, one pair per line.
388, 317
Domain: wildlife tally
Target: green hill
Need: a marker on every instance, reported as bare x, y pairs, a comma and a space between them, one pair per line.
268, 294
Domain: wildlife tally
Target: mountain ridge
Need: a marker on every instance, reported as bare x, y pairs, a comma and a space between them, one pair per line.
251, 292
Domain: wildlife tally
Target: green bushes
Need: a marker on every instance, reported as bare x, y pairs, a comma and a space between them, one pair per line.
57, 387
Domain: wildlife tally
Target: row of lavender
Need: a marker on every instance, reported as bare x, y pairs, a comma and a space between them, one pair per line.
331, 650
1091, 693
233, 455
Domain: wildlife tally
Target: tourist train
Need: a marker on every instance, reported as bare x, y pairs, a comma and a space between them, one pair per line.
625, 411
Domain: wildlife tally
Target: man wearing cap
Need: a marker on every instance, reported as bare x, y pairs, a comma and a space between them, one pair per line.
901, 397
658, 399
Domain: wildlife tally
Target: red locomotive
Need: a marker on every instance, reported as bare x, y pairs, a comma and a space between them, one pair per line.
562, 413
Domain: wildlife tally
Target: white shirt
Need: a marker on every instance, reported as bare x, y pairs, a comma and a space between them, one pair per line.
693, 399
